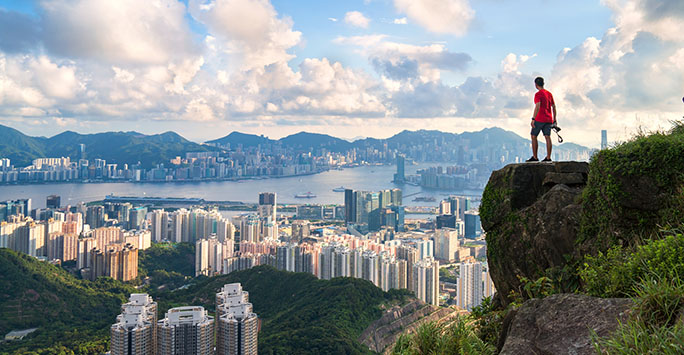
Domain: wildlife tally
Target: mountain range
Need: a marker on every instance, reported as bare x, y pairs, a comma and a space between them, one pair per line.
148, 150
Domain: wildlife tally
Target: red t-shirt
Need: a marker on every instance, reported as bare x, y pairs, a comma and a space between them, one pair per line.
545, 100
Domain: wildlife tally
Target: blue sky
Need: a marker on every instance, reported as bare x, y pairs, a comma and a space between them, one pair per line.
347, 68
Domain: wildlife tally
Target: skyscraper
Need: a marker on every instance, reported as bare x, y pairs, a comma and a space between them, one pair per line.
185, 330
426, 281
267, 205
400, 176
473, 227
604, 139
237, 324
52, 201
349, 206
470, 284
135, 329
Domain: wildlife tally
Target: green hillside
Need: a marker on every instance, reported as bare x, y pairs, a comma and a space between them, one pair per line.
300, 314
114, 147
68, 312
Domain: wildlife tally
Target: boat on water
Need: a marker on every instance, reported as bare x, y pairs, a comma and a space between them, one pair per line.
306, 195
339, 189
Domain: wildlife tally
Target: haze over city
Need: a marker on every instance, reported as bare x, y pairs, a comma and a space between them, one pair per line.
350, 69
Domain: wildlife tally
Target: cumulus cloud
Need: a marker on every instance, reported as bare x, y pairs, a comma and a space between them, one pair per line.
248, 28
438, 16
400, 61
400, 21
356, 19
122, 31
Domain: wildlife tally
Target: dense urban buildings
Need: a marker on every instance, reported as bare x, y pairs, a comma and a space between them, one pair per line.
368, 211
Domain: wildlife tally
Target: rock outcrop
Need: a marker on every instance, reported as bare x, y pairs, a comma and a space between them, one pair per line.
562, 324
531, 215
381, 335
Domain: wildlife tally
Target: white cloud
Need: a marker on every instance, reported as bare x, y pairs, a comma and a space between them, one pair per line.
122, 31
250, 29
332, 19
356, 19
438, 16
400, 21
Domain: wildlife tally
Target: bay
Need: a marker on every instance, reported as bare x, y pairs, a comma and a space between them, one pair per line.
370, 178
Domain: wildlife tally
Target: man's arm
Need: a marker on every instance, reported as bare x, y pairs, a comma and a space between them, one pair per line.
536, 111
553, 108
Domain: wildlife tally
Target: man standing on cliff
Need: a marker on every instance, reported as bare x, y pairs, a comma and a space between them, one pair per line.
543, 119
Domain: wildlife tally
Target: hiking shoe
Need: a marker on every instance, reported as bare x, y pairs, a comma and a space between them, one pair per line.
532, 159
547, 159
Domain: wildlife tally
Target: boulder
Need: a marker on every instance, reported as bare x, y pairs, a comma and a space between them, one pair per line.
563, 324
530, 213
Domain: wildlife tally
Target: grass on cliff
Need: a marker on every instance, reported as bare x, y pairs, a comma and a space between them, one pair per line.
656, 325
652, 276
457, 338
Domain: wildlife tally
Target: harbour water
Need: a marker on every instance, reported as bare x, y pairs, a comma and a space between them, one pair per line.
370, 178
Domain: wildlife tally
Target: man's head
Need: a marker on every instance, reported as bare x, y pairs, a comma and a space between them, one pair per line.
539, 82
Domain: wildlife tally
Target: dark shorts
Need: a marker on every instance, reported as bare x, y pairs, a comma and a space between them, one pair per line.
545, 127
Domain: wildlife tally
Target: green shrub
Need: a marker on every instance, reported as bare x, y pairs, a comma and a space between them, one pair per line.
488, 321
612, 212
432, 338
654, 327
617, 272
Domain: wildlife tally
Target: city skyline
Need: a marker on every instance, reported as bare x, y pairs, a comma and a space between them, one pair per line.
193, 66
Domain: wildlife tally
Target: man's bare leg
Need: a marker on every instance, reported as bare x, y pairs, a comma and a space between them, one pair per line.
535, 147
548, 146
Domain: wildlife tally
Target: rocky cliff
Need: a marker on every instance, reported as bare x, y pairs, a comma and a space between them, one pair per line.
543, 220
531, 215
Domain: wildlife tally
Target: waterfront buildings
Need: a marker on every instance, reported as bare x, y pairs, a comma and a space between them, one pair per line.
369, 211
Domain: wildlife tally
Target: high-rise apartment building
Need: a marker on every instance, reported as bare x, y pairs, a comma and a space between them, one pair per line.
267, 205
135, 330
470, 284
187, 331
209, 255
446, 244
237, 325
426, 281
95, 216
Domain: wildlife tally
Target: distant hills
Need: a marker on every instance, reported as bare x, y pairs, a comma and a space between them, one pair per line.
134, 147
400, 141
300, 314
114, 147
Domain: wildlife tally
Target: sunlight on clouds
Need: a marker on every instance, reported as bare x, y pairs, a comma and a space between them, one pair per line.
439, 16
356, 19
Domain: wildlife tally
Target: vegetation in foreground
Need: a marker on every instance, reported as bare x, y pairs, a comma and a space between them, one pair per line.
459, 337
